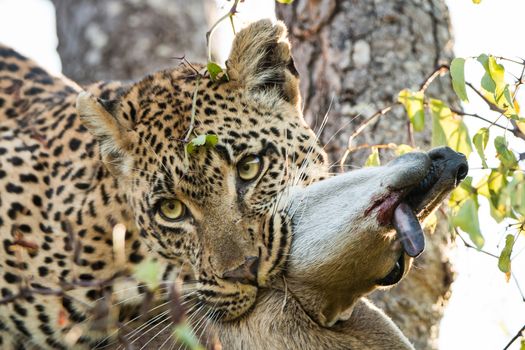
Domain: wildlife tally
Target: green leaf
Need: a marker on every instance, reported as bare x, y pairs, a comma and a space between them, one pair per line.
486, 81
508, 98
457, 72
285, 1
506, 156
413, 102
493, 188
373, 158
504, 257
216, 72
517, 193
439, 138
522, 346
149, 273
480, 141
497, 73
209, 140
461, 193
449, 129
467, 220
185, 335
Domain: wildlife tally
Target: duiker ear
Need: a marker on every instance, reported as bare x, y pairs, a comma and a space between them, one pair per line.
101, 119
261, 60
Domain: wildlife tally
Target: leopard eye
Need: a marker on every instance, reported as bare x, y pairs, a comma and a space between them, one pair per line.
249, 167
172, 209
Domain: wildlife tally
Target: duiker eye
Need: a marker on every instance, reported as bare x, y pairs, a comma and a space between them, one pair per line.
249, 167
172, 209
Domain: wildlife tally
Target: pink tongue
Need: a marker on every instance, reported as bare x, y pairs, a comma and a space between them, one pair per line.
408, 230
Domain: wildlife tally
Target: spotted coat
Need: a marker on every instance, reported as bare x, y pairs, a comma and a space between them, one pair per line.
71, 168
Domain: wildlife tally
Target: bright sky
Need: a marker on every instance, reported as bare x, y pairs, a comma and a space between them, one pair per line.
484, 312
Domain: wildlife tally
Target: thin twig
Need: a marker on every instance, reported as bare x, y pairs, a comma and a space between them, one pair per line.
209, 33
518, 285
515, 337
193, 109
186, 62
366, 145
492, 106
410, 134
468, 245
522, 63
361, 127
474, 115
442, 69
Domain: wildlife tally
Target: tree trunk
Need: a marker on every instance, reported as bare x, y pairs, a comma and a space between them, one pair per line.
353, 58
122, 40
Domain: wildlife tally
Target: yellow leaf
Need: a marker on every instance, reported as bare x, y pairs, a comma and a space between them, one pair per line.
413, 102
402, 149
497, 73
460, 194
373, 158
493, 188
449, 129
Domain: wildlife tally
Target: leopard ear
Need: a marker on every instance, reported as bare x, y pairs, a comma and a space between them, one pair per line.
261, 61
112, 133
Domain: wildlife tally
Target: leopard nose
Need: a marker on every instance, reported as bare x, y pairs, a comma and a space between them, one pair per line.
246, 273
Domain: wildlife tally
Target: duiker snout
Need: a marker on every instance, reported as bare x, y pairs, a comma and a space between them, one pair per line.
342, 231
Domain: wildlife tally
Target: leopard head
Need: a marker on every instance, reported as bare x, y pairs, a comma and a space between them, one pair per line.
218, 208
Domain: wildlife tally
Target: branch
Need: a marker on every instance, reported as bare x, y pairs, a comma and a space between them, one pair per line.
468, 245
492, 106
442, 69
475, 115
516, 131
514, 338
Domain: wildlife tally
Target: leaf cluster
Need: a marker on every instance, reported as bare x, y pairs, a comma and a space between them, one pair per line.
503, 184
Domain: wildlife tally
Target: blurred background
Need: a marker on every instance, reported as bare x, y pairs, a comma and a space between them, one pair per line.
353, 58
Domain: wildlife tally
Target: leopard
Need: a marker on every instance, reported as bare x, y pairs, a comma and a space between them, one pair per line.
220, 185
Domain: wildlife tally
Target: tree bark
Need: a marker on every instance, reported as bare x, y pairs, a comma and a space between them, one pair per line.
353, 58
123, 40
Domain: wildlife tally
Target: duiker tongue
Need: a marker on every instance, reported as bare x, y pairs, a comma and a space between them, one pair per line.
409, 230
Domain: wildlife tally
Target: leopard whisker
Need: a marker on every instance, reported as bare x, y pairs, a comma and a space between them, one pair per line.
145, 328
306, 164
149, 311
